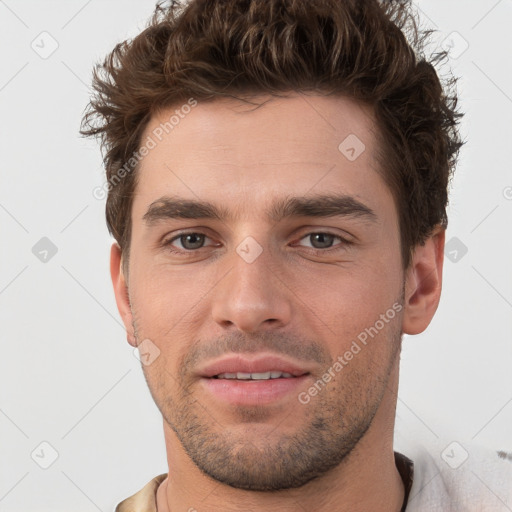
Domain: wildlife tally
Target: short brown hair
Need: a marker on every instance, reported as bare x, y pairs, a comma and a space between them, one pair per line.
370, 51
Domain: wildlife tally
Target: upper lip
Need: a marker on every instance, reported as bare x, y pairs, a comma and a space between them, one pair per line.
256, 364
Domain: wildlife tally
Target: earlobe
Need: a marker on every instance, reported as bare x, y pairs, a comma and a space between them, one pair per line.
121, 292
423, 283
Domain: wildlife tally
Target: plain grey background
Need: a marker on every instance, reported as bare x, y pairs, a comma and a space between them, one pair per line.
69, 380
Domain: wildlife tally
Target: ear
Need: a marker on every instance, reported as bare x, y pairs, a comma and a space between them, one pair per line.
423, 283
121, 292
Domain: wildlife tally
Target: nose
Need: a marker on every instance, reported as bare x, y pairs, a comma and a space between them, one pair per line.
252, 296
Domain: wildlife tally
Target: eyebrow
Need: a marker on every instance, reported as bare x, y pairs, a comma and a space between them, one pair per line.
320, 206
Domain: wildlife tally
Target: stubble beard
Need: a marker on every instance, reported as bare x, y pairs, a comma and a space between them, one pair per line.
334, 424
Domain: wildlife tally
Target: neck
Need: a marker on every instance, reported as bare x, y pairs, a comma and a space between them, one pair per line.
367, 479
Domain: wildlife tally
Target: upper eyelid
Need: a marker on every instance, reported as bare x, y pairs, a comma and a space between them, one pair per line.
184, 233
169, 238
309, 233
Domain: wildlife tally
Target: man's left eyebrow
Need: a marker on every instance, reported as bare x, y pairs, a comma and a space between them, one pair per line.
320, 206
327, 205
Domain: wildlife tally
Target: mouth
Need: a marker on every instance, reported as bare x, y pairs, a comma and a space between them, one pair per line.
261, 379
252, 367
270, 375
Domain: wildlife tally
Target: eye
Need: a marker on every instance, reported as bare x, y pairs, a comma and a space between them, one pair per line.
321, 240
187, 241
193, 241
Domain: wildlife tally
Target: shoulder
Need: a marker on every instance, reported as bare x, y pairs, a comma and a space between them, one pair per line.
144, 500
460, 477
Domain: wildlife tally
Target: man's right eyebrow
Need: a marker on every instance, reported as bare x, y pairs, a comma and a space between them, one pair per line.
175, 208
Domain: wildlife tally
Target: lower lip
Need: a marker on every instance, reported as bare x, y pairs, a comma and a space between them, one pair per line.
253, 392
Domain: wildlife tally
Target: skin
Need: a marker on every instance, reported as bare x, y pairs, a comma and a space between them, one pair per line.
307, 306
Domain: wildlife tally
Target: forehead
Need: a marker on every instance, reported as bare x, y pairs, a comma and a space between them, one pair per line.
243, 155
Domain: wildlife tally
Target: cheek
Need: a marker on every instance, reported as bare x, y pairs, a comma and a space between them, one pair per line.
166, 291
169, 308
345, 300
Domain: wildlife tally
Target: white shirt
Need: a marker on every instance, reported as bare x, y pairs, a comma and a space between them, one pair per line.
460, 479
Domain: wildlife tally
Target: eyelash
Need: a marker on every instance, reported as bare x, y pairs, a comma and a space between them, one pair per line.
344, 242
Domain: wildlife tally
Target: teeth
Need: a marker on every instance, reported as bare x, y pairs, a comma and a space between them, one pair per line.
260, 376
255, 376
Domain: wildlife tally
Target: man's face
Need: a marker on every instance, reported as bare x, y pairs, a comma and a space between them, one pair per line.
272, 284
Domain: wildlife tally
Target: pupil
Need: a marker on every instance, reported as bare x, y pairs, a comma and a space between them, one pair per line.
196, 240
324, 240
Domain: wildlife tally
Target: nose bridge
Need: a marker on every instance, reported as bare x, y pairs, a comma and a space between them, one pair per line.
251, 297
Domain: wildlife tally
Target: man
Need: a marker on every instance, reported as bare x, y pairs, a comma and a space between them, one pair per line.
277, 185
